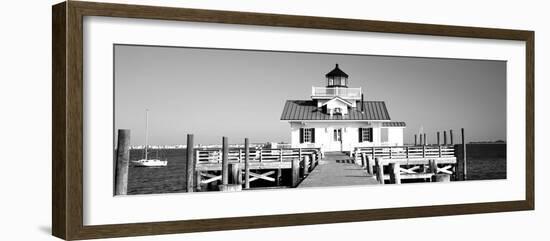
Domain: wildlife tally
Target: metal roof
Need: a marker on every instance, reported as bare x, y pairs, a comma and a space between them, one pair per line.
336, 72
308, 110
394, 124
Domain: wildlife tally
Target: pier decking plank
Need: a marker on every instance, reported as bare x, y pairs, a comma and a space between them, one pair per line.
337, 169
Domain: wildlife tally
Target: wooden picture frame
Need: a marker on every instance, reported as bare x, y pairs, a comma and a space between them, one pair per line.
67, 124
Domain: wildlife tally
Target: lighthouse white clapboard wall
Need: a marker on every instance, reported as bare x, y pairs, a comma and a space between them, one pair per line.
337, 118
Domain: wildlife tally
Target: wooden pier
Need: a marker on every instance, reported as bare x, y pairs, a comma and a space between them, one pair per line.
396, 163
245, 165
234, 169
338, 169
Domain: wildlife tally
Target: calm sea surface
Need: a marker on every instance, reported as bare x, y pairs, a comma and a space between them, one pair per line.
485, 162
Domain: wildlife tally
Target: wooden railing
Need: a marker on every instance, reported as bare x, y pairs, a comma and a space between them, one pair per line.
394, 163
209, 156
261, 164
349, 93
406, 152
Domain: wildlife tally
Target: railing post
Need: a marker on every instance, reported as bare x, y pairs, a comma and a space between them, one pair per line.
246, 164
395, 173
225, 161
278, 171
260, 150
197, 156
439, 151
390, 152
364, 160
424, 151
240, 155
379, 170
407, 152
190, 163
122, 162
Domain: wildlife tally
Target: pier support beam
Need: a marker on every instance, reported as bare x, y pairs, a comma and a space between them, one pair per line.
225, 161
465, 159
306, 165
295, 172
246, 164
364, 160
379, 170
395, 173
190, 166
122, 162
235, 173
370, 164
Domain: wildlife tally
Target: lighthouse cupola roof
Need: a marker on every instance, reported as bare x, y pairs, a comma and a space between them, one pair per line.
337, 78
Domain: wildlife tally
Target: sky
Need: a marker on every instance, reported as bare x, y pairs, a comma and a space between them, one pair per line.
241, 93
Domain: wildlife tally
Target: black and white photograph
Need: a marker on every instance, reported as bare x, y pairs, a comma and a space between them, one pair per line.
207, 119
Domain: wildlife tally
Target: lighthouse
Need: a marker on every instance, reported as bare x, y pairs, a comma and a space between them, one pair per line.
337, 118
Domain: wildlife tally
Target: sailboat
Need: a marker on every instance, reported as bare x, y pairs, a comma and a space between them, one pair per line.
146, 162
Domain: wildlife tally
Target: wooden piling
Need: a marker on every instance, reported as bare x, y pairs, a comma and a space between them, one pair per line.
379, 170
395, 173
370, 164
190, 166
421, 143
445, 138
122, 162
433, 166
198, 180
225, 161
246, 164
415, 143
295, 172
425, 140
465, 159
451, 136
278, 173
438, 141
234, 173
306, 165
313, 161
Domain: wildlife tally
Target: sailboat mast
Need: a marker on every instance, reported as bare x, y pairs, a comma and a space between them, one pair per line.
146, 131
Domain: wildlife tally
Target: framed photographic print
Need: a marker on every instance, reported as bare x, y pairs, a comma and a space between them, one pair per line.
171, 120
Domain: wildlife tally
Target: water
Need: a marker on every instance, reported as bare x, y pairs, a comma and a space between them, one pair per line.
485, 162
169, 179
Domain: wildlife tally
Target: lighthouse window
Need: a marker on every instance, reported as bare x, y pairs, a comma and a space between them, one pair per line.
330, 81
307, 135
337, 81
365, 134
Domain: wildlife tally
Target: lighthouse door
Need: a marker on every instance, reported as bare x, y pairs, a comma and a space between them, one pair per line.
337, 139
